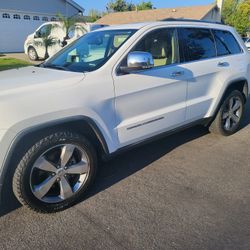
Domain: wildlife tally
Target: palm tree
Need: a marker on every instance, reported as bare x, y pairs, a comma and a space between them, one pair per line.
69, 24
47, 40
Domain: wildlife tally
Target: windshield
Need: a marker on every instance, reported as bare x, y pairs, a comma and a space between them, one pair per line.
89, 52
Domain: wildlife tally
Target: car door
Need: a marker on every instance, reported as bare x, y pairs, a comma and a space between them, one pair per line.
207, 54
38, 40
151, 101
198, 54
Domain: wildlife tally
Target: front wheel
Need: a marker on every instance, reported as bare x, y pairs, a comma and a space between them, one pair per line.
32, 54
55, 172
229, 116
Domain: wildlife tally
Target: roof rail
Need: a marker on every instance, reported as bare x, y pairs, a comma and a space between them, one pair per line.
189, 20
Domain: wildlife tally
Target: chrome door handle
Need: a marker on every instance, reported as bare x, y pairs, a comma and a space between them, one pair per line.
223, 64
177, 73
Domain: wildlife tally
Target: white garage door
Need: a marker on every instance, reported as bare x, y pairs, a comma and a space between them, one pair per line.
14, 29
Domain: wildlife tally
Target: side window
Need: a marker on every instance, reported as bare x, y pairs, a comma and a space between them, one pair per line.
196, 44
6, 15
16, 16
26, 17
45, 30
226, 43
161, 44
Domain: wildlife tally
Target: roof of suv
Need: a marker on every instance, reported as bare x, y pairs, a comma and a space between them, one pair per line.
169, 22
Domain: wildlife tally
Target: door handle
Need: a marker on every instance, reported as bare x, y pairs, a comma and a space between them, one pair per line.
223, 64
177, 73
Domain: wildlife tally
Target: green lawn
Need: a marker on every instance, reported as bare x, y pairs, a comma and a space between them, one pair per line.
11, 63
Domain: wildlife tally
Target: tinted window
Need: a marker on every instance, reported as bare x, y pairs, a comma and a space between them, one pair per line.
161, 44
196, 44
226, 43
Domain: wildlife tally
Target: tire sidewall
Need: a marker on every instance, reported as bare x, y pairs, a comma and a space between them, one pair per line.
234, 93
32, 155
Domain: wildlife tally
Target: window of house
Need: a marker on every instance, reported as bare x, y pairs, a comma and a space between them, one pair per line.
45, 19
6, 15
26, 17
226, 43
53, 19
36, 18
196, 44
161, 44
16, 16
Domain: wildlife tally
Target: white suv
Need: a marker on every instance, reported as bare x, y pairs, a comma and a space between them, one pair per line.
108, 91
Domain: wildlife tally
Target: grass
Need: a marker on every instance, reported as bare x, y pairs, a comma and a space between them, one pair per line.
12, 63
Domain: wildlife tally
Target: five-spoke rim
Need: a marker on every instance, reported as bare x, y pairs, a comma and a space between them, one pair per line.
232, 113
59, 173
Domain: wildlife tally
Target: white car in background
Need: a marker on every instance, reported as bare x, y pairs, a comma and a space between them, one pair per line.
247, 42
33, 45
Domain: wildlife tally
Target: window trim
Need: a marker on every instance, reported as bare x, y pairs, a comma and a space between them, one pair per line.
117, 73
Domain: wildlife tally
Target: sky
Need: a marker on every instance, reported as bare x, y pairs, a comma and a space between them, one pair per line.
100, 4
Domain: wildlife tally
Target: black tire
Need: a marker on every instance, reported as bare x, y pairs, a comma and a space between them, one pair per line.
218, 125
22, 177
32, 54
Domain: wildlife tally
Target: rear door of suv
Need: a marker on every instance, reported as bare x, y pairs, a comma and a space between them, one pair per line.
210, 56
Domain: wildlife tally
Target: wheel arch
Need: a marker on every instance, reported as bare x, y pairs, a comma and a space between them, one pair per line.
240, 84
26, 138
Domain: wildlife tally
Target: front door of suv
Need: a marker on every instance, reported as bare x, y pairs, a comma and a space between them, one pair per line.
151, 101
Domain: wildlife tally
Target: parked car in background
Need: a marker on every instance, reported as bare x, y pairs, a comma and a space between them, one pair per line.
33, 45
247, 42
108, 91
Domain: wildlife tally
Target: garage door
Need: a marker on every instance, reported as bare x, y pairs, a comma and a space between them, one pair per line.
14, 29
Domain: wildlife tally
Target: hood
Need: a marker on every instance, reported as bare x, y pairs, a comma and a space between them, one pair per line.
35, 77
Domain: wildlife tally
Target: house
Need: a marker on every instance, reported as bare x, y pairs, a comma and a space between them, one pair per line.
210, 12
19, 18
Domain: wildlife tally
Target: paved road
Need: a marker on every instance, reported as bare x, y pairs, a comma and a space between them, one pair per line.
187, 191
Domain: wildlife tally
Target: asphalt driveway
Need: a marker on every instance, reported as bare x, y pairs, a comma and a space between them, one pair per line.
187, 191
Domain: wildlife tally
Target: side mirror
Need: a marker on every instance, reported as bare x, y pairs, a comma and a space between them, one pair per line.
138, 60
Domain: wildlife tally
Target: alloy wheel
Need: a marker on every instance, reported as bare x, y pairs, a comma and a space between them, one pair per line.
232, 113
59, 173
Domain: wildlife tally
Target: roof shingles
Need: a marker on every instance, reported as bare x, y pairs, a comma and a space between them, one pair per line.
195, 12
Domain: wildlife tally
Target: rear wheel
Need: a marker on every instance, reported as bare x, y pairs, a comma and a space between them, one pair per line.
55, 172
229, 116
32, 54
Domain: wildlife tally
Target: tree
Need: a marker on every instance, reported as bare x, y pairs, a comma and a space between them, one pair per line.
94, 15
144, 6
228, 11
236, 13
69, 24
242, 21
46, 39
119, 6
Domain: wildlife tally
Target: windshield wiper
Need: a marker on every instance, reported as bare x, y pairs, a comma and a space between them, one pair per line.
53, 66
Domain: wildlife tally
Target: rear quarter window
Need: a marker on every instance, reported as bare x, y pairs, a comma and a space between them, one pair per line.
226, 43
